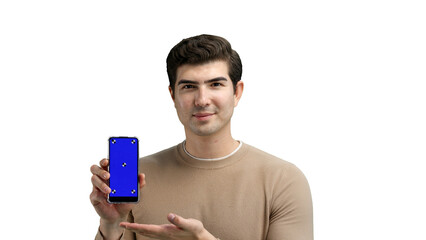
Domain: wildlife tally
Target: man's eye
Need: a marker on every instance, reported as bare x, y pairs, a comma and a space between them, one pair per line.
187, 86
216, 84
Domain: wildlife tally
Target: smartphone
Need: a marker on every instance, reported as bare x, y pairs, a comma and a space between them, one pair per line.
123, 169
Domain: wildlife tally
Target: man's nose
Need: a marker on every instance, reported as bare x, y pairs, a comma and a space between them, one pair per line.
202, 97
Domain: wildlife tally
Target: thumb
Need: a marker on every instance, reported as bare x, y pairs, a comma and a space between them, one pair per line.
177, 220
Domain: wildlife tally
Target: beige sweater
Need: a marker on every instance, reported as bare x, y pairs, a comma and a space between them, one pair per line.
249, 195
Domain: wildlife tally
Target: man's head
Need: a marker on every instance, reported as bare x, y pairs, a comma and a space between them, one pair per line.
203, 49
205, 84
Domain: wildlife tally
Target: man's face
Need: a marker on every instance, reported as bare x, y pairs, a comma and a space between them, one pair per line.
204, 97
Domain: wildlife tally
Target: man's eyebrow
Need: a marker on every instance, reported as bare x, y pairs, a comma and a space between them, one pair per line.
216, 79
184, 81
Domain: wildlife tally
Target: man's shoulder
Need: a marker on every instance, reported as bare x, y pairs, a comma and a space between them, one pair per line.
267, 161
274, 168
261, 156
160, 156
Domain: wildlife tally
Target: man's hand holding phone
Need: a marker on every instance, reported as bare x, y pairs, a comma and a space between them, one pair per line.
116, 187
111, 214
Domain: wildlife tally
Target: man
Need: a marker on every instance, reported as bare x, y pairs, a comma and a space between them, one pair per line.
210, 186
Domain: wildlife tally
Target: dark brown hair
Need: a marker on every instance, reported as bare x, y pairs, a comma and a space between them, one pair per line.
203, 49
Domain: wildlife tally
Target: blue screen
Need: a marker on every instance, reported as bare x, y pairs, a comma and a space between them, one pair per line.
123, 166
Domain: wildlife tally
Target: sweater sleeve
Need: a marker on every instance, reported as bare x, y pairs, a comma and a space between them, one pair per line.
291, 216
127, 235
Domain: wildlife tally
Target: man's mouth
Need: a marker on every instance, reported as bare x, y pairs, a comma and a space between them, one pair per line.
203, 116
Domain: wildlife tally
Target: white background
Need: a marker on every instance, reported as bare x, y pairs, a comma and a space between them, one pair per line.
336, 87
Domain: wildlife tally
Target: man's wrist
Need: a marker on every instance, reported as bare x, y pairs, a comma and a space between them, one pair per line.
110, 230
206, 235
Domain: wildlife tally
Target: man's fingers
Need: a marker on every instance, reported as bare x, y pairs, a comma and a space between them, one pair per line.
96, 170
142, 180
149, 230
180, 228
188, 224
100, 184
104, 163
178, 221
172, 218
96, 196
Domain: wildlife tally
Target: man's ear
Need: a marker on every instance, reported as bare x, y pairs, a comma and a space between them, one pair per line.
238, 92
171, 93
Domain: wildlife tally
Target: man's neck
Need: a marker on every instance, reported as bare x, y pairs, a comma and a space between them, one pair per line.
209, 147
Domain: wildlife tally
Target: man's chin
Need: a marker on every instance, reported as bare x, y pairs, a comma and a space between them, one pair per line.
203, 131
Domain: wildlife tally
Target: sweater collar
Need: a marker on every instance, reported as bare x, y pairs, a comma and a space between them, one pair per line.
211, 163
211, 159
